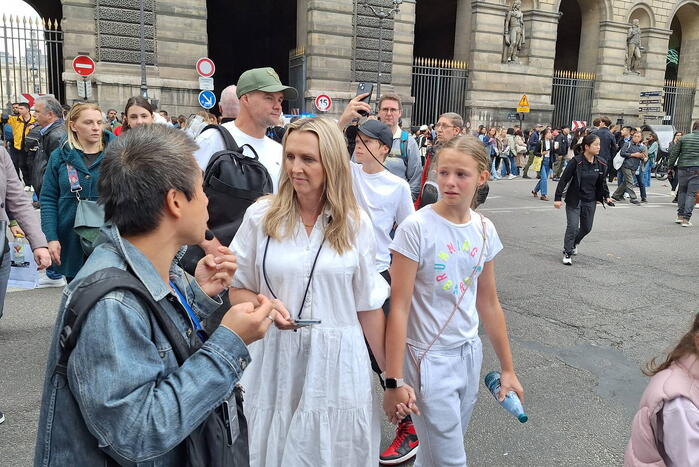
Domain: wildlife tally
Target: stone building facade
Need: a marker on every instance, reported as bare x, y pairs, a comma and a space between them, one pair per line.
336, 44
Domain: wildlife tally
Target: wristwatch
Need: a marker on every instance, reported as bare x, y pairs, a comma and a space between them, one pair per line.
393, 383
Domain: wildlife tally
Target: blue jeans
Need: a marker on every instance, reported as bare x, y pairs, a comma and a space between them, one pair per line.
646, 174
4, 277
542, 185
513, 166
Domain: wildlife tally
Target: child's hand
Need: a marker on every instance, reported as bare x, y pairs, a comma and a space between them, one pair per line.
509, 382
399, 403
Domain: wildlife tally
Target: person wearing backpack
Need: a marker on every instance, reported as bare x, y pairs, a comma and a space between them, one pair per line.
404, 159
132, 378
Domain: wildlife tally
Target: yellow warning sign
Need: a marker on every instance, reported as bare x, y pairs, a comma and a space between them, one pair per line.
523, 105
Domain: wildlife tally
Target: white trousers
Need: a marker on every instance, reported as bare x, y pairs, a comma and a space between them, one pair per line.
446, 389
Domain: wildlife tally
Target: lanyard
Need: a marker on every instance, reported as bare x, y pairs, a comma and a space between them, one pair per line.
195, 321
73, 179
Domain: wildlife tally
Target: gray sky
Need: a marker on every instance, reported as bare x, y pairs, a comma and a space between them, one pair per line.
16, 7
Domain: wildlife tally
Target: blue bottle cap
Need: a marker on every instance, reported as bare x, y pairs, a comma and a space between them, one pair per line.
522, 417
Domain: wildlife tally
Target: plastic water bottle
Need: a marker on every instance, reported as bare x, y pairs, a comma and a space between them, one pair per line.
19, 251
511, 403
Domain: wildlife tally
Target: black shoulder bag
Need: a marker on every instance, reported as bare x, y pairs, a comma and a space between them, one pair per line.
222, 439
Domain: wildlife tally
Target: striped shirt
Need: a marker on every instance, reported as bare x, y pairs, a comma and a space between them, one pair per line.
686, 152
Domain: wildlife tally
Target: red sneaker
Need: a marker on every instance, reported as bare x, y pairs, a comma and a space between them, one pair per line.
403, 447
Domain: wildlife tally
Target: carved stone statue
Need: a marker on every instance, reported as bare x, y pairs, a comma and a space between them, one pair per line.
514, 33
633, 48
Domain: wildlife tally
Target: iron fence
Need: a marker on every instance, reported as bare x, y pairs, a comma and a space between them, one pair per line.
571, 96
297, 79
31, 59
679, 103
438, 86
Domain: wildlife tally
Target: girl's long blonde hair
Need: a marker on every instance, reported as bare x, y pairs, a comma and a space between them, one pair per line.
73, 116
283, 215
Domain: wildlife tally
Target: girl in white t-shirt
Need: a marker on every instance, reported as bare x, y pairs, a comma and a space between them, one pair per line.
443, 283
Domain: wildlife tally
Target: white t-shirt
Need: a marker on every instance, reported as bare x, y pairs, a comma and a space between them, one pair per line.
446, 254
268, 150
387, 200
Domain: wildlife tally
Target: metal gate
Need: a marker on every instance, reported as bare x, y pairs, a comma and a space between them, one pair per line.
571, 97
31, 59
438, 86
679, 103
297, 79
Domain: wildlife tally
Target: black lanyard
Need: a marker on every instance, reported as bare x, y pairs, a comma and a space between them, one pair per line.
310, 277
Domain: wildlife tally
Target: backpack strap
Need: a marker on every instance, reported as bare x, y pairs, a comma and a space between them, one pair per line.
404, 146
228, 139
92, 289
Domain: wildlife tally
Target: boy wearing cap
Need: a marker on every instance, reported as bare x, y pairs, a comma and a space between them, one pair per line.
261, 94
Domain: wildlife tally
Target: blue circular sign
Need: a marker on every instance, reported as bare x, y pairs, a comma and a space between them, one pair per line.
207, 99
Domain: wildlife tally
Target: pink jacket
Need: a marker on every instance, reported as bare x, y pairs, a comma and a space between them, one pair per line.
680, 380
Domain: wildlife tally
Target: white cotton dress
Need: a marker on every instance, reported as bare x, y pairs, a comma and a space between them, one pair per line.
308, 394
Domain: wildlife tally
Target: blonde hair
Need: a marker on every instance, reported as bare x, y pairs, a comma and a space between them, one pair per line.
283, 215
473, 147
73, 115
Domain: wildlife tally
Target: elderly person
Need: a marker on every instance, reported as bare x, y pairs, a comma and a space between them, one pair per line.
311, 249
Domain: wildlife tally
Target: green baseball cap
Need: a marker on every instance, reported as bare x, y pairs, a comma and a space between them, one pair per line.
263, 79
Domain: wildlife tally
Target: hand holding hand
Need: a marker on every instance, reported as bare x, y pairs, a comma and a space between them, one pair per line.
55, 251
557, 204
214, 274
42, 258
399, 403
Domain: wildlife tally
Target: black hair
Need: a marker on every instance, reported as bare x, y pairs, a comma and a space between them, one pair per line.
579, 149
510, 131
139, 101
139, 169
24, 104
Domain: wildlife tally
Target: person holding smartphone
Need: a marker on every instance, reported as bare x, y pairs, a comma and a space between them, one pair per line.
311, 250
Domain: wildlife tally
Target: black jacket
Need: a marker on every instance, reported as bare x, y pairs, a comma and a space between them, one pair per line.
42, 146
563, 144
608, 144
573, 175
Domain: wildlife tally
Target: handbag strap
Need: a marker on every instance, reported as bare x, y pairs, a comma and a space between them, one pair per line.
469, 284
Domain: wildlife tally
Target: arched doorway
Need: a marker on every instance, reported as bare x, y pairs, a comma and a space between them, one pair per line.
31, 50
250, 34
435, 28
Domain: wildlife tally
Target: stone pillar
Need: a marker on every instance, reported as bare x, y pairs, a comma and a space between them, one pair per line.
495, 87
462, 34
109, 33
616, 93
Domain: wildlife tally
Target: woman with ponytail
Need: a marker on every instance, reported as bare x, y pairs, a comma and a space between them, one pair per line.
586, 185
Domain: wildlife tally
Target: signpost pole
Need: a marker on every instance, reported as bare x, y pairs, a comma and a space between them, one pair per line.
144, 86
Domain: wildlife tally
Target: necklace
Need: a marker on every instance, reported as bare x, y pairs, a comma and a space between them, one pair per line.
309, 226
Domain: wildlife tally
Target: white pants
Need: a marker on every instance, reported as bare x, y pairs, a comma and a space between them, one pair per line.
446, 394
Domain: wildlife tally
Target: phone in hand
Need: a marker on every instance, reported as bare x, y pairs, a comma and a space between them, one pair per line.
364, 88
306, 322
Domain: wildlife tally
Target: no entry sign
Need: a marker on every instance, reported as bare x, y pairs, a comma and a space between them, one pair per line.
206, 67
83, 65
323, 103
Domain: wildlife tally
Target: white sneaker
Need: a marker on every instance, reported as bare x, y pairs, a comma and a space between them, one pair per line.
679, 220
510, 177
686, 223
567, 259
45, 282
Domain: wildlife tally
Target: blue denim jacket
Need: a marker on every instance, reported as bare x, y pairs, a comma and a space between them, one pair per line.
125, 393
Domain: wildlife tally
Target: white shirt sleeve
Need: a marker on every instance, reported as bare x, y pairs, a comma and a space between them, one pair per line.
493, 244
370, 288
405, 204
407, 239
681, 432
244, 246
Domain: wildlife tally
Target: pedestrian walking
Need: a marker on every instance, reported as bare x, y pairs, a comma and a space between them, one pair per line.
685, 158
545, 154
561, 145
135, 380
311, 249
442, 265
533, 145
671, 175
647, 167
632, 152
665, 430
71, 176
21, 124
492, 152
521, 149
584, 184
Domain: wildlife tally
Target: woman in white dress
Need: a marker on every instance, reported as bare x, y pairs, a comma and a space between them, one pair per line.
308, 389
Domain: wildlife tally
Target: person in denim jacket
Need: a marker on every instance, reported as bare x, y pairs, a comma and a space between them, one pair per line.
124, 398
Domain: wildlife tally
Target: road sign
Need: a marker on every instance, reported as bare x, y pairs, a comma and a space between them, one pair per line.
206, 84
652, 117
576, 124
651, 100
207, 99
323, 103
83, 65
658, 93
513, 116
205, 67
523, 105
85, 88
29, 97
650, 109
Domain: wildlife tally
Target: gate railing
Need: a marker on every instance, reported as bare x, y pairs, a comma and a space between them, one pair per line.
679, 104
297, 79
571, 96
438, 86
31, 59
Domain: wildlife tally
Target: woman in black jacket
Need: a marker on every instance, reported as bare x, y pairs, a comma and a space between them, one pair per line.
586, 185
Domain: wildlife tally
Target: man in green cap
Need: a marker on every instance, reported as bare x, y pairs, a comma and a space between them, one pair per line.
261, 94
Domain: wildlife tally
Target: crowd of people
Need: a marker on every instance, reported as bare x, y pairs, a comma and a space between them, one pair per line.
359, 250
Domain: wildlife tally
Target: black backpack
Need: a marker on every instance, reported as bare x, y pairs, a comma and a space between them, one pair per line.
232, 182
209, 445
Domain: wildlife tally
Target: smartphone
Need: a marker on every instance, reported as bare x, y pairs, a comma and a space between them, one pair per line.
364, 88
306, 322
